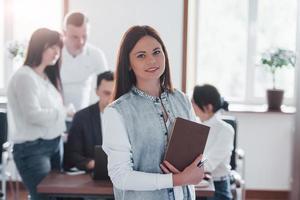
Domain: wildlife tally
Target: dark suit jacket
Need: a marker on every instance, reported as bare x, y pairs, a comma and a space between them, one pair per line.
84, 134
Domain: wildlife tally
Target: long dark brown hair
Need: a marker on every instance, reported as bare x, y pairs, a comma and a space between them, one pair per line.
40, 40
125, 78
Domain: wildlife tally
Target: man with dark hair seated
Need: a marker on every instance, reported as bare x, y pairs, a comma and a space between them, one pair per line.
85, 131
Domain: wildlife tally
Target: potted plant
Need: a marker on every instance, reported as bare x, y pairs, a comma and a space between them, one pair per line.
276, 59
16, 51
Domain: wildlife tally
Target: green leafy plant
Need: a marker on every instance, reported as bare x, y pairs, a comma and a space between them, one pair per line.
16, 49
276, 59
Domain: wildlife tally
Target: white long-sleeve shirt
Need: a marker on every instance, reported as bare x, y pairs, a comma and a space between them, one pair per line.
218, 147
118, 149
35, 107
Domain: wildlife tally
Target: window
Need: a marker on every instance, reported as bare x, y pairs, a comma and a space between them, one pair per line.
232, 34
276, 27
47, 14
221, 48
22, 19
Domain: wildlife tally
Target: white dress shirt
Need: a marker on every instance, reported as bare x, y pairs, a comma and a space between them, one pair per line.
35, 107
118, 149
218, 147
79, 73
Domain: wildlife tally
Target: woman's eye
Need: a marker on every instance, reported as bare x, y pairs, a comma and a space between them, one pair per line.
156, 52
141, 56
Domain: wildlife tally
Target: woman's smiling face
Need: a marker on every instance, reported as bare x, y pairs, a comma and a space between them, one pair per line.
147, 60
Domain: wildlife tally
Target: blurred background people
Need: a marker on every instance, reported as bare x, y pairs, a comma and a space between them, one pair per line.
86, 131
36, 115
81, 62
207, 102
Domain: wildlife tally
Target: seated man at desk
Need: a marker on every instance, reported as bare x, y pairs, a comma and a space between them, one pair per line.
86, 131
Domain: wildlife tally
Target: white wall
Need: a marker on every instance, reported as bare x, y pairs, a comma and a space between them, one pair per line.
266, 139
110, 19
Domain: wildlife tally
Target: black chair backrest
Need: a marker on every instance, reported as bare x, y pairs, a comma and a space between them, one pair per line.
3, 131
232, 121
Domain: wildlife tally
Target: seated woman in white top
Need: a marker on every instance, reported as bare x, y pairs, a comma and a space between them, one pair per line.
207, 102
36, 116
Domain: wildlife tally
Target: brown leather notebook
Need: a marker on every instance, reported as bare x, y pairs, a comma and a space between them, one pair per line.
187, 141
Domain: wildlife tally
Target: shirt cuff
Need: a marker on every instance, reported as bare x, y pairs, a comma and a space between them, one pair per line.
164, 181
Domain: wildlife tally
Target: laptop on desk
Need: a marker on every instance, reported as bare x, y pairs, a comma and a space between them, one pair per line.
100, 171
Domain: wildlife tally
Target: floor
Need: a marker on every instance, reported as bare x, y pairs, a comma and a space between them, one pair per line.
12, 193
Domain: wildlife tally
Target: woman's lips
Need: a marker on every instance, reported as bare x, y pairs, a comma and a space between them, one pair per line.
152, 69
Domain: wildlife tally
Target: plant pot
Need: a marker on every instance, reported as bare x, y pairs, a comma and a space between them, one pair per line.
274, 98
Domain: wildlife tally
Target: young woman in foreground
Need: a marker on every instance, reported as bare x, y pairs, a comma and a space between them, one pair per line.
136, 126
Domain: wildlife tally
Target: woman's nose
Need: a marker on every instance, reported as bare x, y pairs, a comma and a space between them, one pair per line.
151, 60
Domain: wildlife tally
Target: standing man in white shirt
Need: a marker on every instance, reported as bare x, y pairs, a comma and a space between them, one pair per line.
81, 62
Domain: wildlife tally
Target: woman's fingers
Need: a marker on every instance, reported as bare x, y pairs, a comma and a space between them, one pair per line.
165, 170
171, 167
198, 159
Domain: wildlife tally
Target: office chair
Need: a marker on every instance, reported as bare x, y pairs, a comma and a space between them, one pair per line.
3, 139
237, 163
6, 155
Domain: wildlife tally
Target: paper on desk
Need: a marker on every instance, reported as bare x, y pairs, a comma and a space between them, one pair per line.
75, 171
203, 183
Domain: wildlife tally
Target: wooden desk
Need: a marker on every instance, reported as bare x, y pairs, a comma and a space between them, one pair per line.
60, 184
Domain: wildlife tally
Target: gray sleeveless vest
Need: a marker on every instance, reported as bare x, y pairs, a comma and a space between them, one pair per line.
148, 136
